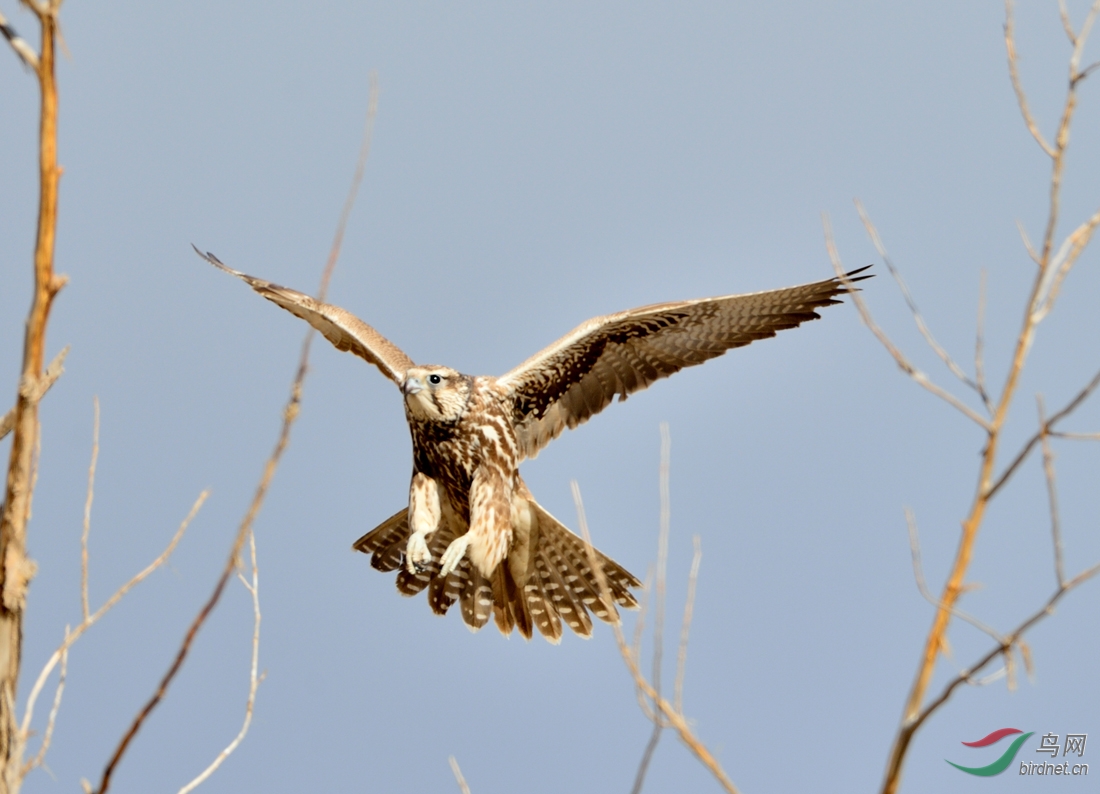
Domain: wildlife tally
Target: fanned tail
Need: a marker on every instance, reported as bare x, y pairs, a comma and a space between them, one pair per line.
565, 584
547, 579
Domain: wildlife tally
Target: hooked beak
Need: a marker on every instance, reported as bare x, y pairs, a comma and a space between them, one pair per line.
412, 386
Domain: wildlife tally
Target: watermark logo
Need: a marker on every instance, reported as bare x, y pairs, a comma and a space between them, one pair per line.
1048, 743
1002, 763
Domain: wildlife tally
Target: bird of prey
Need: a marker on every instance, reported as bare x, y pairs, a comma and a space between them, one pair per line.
472, 532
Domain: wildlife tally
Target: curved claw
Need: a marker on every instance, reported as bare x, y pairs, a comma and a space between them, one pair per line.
417, 556
454, 554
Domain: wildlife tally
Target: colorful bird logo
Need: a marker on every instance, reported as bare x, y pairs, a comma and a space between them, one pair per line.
1002, 763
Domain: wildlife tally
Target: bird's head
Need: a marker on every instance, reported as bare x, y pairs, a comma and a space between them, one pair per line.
438, 394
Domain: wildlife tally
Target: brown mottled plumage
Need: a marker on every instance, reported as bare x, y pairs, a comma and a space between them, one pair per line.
472, 532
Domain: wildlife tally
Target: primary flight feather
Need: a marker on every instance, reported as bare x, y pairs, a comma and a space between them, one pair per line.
472, 532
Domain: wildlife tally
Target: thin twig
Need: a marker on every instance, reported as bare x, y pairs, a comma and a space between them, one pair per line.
49, 377
979, 346
1027, 243
88, 511
639, 634
922, 586
290, 414
51, 721
1052, 494
1067, 26
1063, 262
1017, 86
658, 607
676, 719
353, 192
1076, 436
918, 318
75, 634
1002, 648
254, 678
685, 627
919, 377
1048, 428
462, 785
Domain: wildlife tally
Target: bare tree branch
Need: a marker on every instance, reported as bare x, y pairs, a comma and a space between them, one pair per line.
254, 678
72, 636
1017, 86
906, 366
51, 721
1005, 647
49, 377
675, 718
918, 318
658, 606
1051, 271
88, 512
462, 785
1052, 494
979, 347
16, 569
918, 574
290, 414
1067, 26
685, 627
1048, 429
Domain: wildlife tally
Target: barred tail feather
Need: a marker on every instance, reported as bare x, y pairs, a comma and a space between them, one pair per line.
567, 556
545, 583
386, 542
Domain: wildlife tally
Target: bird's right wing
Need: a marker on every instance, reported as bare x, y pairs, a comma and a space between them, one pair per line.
618, 354
342, 328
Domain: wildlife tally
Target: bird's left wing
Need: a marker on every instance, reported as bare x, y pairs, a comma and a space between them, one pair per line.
342, 328
576, 377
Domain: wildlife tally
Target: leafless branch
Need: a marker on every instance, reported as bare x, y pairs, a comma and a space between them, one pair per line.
353, 192
1052, 269
290, 414
1002, 649
1067, 26
675, 718
922, 586
1017, 86
908, 368
1063, 262
51, 721
979, 347
88, 512
49, 377
1027, 243
658, 607
72, 636
918, 318
1076, 436
685, 627
462, 785
16, 569
1052, 494
254, 678
1048, 429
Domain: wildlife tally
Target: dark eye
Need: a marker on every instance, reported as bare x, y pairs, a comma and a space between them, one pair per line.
434, 379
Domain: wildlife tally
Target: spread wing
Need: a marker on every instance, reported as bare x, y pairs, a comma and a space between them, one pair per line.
577, 376
338, 326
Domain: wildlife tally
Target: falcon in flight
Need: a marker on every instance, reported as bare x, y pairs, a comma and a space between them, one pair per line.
472, 532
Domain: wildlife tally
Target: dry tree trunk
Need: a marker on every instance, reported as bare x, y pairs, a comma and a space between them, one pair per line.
16, 569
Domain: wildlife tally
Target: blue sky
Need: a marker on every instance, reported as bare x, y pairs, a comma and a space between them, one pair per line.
534, 165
